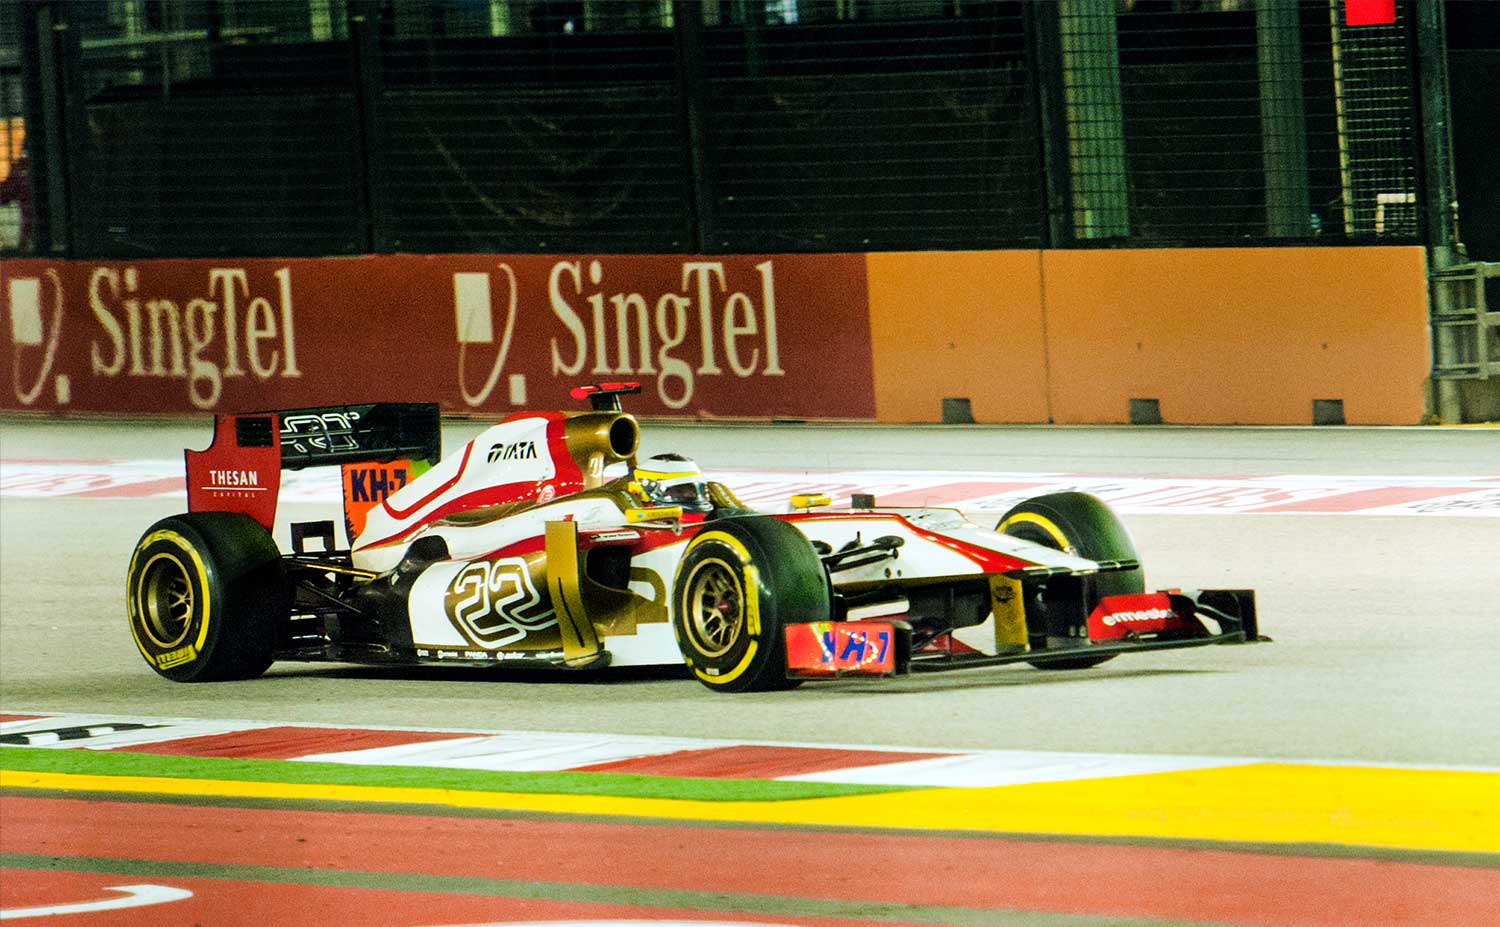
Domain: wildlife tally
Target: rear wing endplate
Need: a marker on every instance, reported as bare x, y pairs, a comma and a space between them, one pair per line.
241, 470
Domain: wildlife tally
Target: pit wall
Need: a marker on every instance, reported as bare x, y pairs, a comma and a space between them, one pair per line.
1199, 336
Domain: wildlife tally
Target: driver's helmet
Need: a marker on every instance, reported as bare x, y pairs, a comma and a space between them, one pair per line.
672, 479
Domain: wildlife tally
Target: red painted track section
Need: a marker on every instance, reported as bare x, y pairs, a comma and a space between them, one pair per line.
1364, 499
750, 761
230, 902
284, 743
1220, 886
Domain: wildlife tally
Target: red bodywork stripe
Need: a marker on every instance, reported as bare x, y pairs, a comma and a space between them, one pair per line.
568, 479
520, 548
989, 561
462, 466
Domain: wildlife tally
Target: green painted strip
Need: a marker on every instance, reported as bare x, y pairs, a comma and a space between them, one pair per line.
615, 785
739, 903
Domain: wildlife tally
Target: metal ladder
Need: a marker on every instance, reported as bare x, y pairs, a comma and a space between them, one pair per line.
1465, 327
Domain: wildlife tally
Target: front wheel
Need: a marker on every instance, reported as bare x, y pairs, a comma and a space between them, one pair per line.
207, 596
739, 583
1084, 525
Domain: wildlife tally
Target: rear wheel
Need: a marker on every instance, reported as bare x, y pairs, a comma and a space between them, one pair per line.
207, 595
1080, 524
740, 582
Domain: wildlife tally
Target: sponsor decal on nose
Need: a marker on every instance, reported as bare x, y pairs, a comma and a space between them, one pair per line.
1141, 615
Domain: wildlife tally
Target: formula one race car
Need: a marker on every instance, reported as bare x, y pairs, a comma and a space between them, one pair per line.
547, 541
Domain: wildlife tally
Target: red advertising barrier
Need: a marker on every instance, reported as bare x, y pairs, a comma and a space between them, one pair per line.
741, 335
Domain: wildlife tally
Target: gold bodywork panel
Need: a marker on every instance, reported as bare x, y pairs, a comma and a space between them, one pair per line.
1010, 614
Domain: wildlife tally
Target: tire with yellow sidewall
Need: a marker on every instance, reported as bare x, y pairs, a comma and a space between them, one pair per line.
1081, 524
207, 595
740, 582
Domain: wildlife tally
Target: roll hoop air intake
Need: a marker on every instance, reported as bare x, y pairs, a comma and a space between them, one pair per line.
605, 436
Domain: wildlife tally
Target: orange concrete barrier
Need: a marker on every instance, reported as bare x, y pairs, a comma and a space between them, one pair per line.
958, 325
1237, 335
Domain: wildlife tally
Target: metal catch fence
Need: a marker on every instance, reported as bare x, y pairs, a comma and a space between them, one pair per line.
245, 127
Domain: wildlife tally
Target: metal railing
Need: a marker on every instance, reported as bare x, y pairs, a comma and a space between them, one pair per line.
1466, 322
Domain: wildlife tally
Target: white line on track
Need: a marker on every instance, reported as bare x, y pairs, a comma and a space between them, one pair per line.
136, 896
980, 491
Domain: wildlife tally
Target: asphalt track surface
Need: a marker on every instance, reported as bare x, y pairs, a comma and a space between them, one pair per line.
1387, 630
1385, 655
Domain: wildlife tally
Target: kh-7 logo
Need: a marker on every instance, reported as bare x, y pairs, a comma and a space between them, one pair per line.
376, 482
859, 647
494, 604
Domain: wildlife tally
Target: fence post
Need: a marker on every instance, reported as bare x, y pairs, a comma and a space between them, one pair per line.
46, 71
1439, 208
35, 150
1044, 63
687, 28
1278, 46
364, 57
1095, 118
1439, 199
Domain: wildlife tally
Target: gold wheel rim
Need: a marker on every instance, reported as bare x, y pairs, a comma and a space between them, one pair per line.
165, 601
715, 606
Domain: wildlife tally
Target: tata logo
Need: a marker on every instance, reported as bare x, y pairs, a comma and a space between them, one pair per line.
520, 450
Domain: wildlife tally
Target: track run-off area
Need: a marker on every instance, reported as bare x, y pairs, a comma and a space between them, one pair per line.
1346, 774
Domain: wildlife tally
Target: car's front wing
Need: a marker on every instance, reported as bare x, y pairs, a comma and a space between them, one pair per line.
1120, 624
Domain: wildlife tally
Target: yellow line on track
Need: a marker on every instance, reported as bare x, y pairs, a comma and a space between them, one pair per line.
1272, 803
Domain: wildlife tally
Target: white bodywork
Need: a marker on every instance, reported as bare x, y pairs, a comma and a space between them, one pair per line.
936, 544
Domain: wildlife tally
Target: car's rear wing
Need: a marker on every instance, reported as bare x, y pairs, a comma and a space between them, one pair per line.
380, 447
373, 432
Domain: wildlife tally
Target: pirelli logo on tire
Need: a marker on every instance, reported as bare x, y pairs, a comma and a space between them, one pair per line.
176, 657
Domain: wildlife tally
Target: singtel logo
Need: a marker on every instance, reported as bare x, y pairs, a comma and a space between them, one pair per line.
705, 328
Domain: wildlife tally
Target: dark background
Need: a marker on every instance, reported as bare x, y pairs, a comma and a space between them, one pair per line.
226, 127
